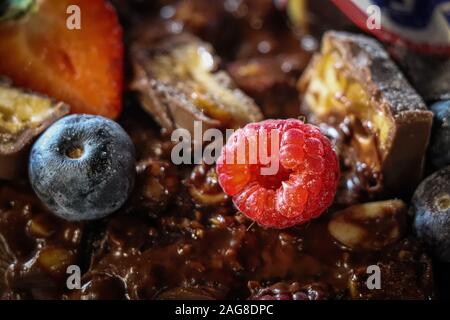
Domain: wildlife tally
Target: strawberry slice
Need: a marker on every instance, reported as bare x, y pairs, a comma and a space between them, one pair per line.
82, 67
300, 189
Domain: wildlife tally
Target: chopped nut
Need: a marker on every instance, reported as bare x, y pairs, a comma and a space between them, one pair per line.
369, 226
55, 260
208, 199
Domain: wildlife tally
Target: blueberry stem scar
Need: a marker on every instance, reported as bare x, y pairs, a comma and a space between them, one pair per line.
443, 202
75, 152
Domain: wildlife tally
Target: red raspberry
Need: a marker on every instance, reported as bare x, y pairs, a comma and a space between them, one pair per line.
304, 184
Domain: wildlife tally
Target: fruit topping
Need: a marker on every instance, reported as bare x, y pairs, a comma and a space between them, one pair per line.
431, 211
380, 124
440, 141
178, 83
369, 226
82, 67
83, 167
178, 235
296, 182
22, 117
55, 260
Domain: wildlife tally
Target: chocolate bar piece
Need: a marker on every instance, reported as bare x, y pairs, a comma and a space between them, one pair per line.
22, 117
178, 84
380, 124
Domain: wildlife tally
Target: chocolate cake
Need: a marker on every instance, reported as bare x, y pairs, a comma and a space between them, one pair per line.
179, 235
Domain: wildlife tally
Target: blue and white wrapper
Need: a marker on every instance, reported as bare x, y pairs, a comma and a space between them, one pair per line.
421, 25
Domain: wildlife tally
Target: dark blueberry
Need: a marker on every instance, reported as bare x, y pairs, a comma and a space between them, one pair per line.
83, 167
440, 141
431, 210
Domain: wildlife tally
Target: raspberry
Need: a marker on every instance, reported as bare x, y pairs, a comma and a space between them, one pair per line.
303, 186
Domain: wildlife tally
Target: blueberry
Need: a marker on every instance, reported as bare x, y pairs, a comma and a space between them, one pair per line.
431, 211
83, 167
440, 141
